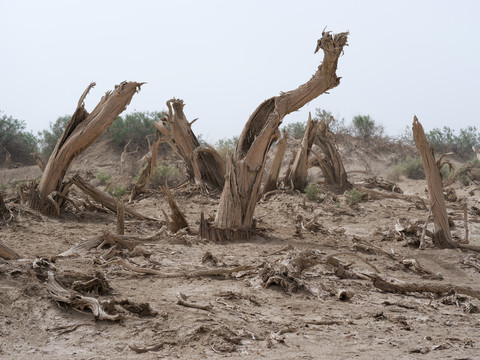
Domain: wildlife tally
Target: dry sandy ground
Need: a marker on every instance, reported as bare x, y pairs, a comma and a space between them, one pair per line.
241, 317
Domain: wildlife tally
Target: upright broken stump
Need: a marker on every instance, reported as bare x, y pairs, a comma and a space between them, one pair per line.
441, 235
178, 221
234, 218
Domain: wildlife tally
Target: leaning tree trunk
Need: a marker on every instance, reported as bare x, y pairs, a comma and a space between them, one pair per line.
81, 131
234, 218
441, 236
271, 180
296, 175
331, 162
204, 165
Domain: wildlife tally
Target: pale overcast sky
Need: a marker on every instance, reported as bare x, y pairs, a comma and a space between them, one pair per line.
223, 58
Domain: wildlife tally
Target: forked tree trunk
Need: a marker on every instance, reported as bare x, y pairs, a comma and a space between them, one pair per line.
204, 165
81, 131
234, 218
271, 180
441, 236
331, 162
296, 175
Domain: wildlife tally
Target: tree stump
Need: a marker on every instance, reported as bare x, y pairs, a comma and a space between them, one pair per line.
245, 168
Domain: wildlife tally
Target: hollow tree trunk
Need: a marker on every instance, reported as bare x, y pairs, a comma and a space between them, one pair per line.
296, 175
441, 236
204, 165
331, 162
234, 218
271, 180
81, 131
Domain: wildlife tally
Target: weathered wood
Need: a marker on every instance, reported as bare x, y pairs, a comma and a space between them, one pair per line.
204, 165
104, 198
331, 162
441, 236
7, 253
245, 168
40, 162
296, 175
80, 132
179, 221
271, 180
120, 218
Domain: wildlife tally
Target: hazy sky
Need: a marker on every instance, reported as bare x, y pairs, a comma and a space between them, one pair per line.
223, 58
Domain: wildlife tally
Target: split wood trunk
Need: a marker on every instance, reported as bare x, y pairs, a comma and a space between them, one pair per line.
234, 218
179, 221
331, 162
81, 131
271, 180
296, 175
203, 164
441, 236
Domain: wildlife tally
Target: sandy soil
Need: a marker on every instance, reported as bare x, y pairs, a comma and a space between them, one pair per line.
241, 317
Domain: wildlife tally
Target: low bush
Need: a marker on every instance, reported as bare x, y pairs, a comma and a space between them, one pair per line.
14, 139
411, 167
353, 196
165, 175
104, 178
226, 146
365, 127
117, 191
296, 129
312, 191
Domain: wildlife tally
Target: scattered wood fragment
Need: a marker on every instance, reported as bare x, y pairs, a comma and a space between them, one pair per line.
391, 195
424, 231
382, 184
120, 218
141, 350
182, 301
7, 253
179, 220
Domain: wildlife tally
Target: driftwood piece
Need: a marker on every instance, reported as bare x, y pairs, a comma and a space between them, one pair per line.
270, 183
382, 184
80, 132
82, 247
393, 285
234, 218
7, 253
417, 200
104, 198
179, 221
183, 301
441, 237
296, 175
331, 162
40, 162
204, 165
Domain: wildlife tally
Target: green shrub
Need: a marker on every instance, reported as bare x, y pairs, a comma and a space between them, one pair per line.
14, 139
134, 127
226, 146
365, 127
117, 191
296, 129
165, 175
444, 140
412, 168
104, 178
337, 126
312, 191
353, 196
48, 138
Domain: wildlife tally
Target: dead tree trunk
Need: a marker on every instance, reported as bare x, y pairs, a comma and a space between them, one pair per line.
40, 162
204, 165
81, 131
7, 253
179, 221
441, 236
296, 175
271, 181
234, 218
331, 162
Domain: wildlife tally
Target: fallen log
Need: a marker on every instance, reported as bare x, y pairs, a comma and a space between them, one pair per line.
7, 253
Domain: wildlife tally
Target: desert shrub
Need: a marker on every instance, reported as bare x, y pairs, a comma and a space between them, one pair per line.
165, 175
411, 167
103, 178
14, 139
48, 138
226, 146
353, 196
117, 191
135, 127
296, 129
337, 126
445, 140
365, 127
312, 191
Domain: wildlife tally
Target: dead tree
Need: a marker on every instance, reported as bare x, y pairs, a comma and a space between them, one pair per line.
203, 164
178, 221
123, 156
441, 236
296, 175
8, 159
271, 180
40, 162
331, 162
81, 131
245, 168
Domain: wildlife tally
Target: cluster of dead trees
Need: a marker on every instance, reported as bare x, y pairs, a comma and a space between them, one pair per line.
241, 179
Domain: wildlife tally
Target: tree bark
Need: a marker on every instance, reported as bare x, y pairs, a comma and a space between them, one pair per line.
331, 162
204, 165
441, 236
271, 180
245, 169
81, 131
296, 175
